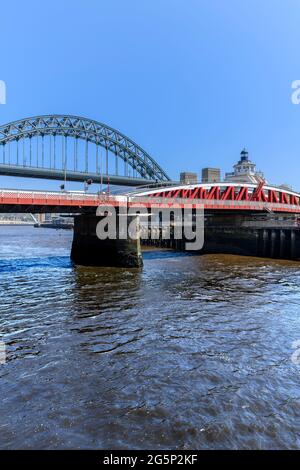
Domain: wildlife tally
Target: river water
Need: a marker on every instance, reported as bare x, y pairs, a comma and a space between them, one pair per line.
191, 352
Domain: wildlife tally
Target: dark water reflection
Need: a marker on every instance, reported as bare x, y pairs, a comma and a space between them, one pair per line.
191, 352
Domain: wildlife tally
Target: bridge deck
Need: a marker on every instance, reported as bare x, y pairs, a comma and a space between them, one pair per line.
46, 201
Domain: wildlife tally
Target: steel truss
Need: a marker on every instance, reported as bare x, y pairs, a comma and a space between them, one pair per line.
85, 129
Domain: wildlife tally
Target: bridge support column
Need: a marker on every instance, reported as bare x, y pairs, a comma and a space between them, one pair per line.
89, 250
265, 236
273, 240
282, 249
293, 240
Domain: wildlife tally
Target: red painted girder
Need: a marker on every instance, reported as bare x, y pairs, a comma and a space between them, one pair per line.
294, 200
243, 194
258, 193
272, 196
283, 198
228, 194
214, 193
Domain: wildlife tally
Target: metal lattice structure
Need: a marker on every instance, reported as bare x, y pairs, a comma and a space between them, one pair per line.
226, 195
58, 146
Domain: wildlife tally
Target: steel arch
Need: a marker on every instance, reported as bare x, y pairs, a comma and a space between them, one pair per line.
86, 129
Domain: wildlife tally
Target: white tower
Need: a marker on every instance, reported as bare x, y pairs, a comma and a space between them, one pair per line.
244, 171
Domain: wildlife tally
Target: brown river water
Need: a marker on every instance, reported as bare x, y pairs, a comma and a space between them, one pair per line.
190, 352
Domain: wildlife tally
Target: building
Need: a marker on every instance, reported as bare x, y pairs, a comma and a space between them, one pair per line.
211, 175
244, 171
188, 178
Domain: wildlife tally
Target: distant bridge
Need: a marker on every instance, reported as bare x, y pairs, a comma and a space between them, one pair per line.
73, 148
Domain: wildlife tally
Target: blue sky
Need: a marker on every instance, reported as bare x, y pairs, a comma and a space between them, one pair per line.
191, 81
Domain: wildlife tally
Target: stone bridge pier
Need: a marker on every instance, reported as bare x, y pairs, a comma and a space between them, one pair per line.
89, 250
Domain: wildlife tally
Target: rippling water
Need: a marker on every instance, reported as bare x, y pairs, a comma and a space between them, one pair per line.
190, 352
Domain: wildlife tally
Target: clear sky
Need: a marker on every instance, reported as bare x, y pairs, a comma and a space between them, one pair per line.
191, 81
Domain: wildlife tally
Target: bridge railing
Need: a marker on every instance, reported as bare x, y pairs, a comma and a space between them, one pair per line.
85, 199
48, 195
215, 204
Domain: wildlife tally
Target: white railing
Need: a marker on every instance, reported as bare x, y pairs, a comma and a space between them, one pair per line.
25, 194
106, 198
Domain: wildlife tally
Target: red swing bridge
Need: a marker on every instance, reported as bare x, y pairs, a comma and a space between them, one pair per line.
241, 218
236, 197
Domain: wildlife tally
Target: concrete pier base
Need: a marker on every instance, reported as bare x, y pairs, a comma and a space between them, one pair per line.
232, 235
267, 243
89, 250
